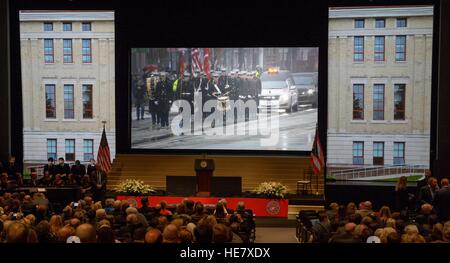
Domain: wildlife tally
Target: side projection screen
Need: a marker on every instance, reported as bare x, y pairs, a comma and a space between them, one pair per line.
224, 98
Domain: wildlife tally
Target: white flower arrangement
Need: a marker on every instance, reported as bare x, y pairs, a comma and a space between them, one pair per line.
132, 186
271, 189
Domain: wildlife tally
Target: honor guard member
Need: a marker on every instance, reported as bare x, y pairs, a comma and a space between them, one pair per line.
139, 99
163, 100
152, 100
187, 89
258, 88
232, 82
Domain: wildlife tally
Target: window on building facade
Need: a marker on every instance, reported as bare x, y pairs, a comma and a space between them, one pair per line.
378, 102
399, 153
379, 48
48, 51
67, 26
68, 102
86, 26
400, 48
359, 23
88, 145
86, 51
401, 22
380, 23
358, 101
358, 48
358, 153
50, 101
67, 51
51, 149
399, 101
87, 102
48, 26
70, 150
378, 153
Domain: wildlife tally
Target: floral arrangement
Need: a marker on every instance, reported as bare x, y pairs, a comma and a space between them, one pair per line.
131, 186
271, 189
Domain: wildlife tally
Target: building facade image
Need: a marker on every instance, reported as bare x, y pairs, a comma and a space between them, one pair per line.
67, 84
379, 87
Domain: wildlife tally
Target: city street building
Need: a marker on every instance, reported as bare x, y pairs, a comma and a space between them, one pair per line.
67, 84
379, 86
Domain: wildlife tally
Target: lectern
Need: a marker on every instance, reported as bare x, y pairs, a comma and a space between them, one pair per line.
204, 169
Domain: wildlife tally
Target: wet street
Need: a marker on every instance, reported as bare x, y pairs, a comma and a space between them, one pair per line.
296, 133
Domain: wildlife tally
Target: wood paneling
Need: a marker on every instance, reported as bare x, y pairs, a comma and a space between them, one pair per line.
153, 169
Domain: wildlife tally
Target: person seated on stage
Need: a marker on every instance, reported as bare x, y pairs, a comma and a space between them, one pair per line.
78, 171
63, 169
3, 180
33, 181
91, 167
164, 211
46, 180
59, 182
14, 173
73, 180
50, 167
86, 186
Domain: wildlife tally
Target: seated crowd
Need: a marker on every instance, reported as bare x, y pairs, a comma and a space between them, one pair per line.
352, 224
31, 219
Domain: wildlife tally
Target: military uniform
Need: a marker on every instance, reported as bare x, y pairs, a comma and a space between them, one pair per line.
163, 95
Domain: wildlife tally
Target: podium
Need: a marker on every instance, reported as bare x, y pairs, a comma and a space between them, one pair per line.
204, 169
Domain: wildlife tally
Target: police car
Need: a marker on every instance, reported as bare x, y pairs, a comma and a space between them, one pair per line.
306, 84
278, 89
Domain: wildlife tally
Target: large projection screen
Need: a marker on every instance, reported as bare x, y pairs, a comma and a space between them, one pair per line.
379, 92
198, 98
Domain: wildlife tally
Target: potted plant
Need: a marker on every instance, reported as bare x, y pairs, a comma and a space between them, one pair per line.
274, 190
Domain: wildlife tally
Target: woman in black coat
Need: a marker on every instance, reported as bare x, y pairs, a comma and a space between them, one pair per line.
401, 194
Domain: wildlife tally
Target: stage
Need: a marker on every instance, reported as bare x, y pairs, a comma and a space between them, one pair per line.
261, 207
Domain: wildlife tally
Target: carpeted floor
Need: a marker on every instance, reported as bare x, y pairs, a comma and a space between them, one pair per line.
275, 235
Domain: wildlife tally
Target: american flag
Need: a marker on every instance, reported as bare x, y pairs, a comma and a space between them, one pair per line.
103, 156
206, 65
196, 65
317, 157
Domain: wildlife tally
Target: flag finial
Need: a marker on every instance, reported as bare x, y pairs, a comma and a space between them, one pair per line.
104, 122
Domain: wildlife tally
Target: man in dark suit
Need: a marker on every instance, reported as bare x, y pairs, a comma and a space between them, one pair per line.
14, 172
63, 169
33, 181
91, 167
441, 201
50, 167
99, 189
78, 171
428, 192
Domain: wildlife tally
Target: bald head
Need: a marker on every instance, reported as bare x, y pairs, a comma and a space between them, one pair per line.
350, 227
100, 214
132, 219
74, 222
17, 233
65, 232
170, 234
86, 233
131, 210
153, 236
